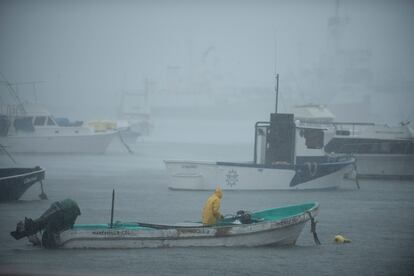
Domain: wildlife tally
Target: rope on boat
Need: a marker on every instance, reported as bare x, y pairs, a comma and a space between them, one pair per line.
42, 195
124, 143
356, 176
313, 228
8, 154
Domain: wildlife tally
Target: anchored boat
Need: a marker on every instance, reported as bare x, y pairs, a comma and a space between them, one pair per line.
33, 129
286, 157
278, 226
381, 151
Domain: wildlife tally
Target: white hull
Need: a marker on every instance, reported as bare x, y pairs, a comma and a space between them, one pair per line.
287, 236
77, 143
190, 175
284, 232
385, 166
381, 151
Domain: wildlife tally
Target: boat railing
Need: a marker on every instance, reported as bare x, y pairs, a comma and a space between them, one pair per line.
354, 123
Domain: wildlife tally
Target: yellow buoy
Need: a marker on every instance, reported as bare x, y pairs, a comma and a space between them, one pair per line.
341, 239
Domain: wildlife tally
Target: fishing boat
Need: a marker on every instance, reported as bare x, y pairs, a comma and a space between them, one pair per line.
16, 179
286, 157
32, 129
381, 151
275, 227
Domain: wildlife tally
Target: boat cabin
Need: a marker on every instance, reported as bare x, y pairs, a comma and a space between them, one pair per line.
281, 141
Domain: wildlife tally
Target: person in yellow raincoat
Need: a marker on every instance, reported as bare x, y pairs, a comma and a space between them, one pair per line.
211, 210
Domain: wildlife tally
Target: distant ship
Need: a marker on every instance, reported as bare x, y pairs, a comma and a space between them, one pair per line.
381, 151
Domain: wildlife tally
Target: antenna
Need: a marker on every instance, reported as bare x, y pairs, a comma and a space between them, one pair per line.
112, 208
277, 75
275, 51
277, 91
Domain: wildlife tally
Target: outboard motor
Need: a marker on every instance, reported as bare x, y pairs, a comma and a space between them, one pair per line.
244, 217
60, 216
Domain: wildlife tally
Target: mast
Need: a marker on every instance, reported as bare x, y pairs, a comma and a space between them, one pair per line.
277, 91
277, 75
14, 95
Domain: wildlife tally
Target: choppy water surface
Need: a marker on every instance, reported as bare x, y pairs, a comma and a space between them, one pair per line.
378, 219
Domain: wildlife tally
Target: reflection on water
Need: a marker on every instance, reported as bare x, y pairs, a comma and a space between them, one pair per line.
378, 219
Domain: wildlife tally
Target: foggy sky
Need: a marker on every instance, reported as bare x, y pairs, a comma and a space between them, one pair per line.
87, 52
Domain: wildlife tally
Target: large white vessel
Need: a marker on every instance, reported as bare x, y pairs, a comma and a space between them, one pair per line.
284, 159
381, 151
32, 129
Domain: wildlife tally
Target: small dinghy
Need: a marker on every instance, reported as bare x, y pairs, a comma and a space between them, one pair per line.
275, 227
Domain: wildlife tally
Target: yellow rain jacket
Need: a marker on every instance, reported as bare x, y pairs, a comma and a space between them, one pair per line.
211, 211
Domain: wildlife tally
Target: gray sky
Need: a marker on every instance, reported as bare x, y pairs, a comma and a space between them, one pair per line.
87, 52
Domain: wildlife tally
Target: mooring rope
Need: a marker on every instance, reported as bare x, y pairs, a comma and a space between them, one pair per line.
124, 143
313, 228
42, 195
356, 175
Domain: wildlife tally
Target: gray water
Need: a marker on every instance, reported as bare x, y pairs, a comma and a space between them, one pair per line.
378, 219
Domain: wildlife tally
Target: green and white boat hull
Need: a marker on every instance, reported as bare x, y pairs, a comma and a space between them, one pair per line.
278, 226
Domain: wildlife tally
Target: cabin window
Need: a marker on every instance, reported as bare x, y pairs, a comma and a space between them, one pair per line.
23, 123
50, 122
343, 132
313, 138
370, 146
260, 132
410, 148
398, 147
365, 148
40, 121
4, 125
384, 147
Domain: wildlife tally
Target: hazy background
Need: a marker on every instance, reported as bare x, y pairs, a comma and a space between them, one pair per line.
214, 59
209, 67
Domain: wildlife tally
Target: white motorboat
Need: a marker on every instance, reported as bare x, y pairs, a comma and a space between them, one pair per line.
286, 157
36, 131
